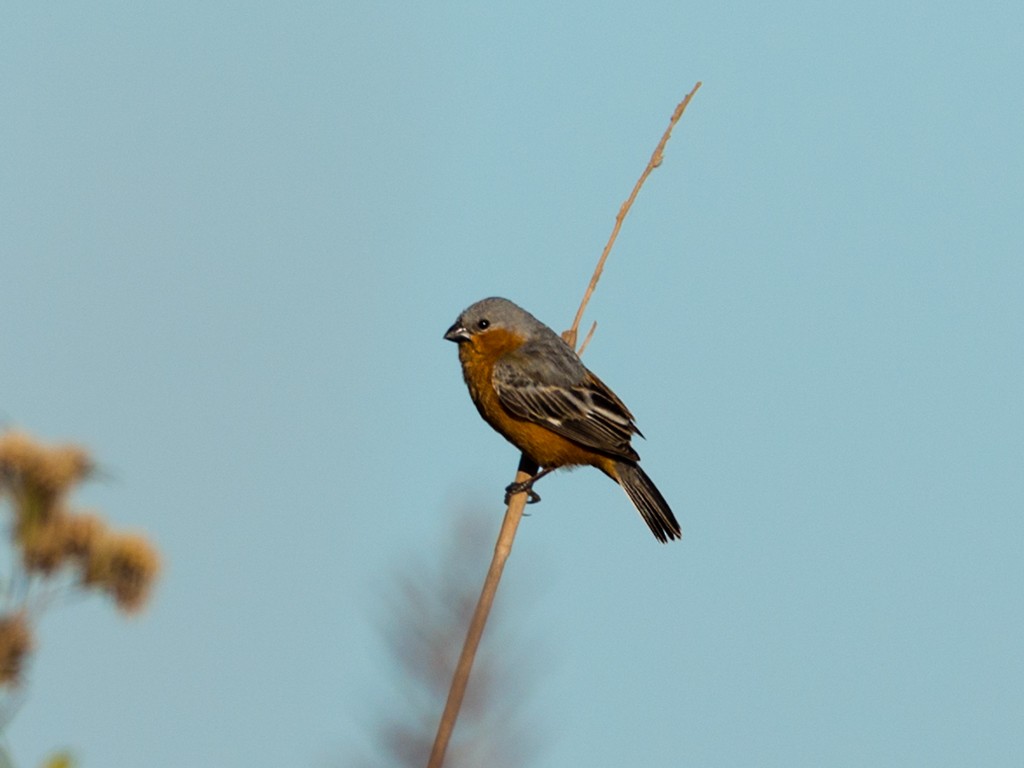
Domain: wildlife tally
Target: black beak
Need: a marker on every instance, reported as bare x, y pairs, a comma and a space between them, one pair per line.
457, 333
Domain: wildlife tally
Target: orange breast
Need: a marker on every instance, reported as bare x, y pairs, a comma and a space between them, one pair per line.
548, 449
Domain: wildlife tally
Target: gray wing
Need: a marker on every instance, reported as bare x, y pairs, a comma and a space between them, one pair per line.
562, 395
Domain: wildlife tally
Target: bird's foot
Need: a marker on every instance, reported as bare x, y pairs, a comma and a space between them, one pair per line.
526, 486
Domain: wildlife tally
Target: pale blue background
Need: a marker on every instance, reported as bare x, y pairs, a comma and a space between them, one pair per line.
231, 236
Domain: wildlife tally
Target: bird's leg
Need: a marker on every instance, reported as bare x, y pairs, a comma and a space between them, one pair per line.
526, 486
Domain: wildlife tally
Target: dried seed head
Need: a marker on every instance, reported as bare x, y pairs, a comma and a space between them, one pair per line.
80, 533
38, 475
125, 566
42, 550
15, 644
63, 538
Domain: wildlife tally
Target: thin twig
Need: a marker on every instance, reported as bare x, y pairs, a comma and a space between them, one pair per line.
654, 162
586, 339
516, 505
502, 549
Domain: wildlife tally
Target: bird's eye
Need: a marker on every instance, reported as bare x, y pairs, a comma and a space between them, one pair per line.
484, 324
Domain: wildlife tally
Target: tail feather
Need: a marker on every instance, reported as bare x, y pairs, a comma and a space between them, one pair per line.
648, 500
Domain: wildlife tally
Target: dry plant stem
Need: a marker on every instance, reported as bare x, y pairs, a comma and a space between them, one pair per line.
460, 679
653, 163
586, 339
528, 469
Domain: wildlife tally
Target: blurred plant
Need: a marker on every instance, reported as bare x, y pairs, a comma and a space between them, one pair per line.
59, 760
57, 550
428, 611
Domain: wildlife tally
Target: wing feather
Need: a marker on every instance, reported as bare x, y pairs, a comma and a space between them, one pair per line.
567, 399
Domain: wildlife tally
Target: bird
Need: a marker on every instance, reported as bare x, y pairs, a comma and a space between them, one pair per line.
534, 390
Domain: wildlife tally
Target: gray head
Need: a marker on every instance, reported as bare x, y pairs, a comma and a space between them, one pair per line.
495, 313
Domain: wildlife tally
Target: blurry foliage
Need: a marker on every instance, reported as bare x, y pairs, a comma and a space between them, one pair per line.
429, 612
57, 550
60, 760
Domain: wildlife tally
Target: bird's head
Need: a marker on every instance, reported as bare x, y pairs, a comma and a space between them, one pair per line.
491, 316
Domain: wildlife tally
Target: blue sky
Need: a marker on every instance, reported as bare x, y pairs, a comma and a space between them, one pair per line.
232, 236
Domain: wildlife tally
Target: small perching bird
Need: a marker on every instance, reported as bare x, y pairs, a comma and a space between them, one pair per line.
532, 388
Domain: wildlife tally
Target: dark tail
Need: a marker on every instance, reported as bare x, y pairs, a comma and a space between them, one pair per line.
648, 500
